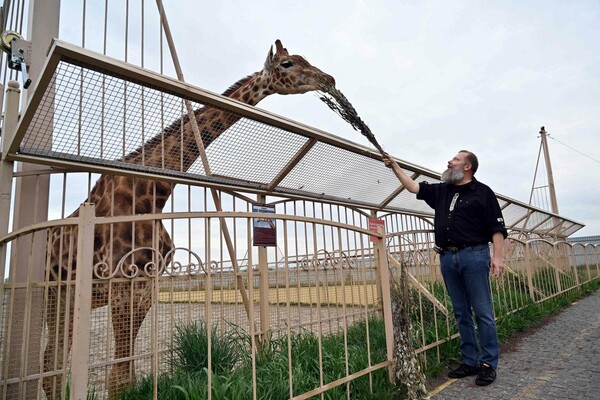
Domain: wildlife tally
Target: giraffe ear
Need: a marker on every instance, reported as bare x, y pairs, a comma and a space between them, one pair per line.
269, 60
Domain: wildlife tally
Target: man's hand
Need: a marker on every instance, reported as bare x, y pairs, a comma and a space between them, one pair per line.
385, 157
497, 267
407, 181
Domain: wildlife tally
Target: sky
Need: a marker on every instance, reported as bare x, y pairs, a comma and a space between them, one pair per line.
428, 77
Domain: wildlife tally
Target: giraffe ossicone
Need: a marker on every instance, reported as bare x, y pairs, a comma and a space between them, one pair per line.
145, 242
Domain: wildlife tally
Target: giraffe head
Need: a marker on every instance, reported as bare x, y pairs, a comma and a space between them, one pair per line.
292, 74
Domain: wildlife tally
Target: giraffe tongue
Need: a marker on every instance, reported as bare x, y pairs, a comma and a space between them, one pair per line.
337, 102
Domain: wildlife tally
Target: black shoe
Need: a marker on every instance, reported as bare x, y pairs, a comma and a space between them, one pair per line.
486, 375
462, 371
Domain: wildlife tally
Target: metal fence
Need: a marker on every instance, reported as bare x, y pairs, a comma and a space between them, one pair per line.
536, 270
97, 330
94, 302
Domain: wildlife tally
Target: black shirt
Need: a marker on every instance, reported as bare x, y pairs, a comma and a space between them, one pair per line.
464, 215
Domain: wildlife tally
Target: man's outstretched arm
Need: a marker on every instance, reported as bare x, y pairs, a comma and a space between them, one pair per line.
404, 179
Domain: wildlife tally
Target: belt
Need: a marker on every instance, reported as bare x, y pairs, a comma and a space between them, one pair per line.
454, 249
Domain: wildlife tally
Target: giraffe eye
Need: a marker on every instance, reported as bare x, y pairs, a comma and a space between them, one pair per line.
287, 64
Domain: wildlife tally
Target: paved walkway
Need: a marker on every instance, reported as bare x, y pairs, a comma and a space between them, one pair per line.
560, 360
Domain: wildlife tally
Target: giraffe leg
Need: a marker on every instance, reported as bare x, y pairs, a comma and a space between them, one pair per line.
130, 304
54, 353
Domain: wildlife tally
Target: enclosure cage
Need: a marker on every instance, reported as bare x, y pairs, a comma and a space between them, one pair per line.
137, 209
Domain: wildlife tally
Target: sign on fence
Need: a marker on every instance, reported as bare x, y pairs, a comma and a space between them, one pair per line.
264, 228
374, 225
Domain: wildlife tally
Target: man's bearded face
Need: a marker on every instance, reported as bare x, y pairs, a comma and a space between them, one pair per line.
453, 176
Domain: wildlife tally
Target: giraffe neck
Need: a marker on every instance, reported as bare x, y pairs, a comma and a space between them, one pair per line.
176, 149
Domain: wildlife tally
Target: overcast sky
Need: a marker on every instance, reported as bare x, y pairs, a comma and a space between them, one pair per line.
429, 78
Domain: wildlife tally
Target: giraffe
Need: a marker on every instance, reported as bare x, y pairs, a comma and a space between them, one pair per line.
175, 148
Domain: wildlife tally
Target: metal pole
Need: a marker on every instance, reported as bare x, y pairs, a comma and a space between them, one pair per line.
537, 164
381, 258
6, 176
83, 302
263, 270
31, 206
553, 202
382, 272
11, 115
530, 271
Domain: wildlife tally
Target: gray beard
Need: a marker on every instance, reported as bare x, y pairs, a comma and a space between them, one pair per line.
451, 177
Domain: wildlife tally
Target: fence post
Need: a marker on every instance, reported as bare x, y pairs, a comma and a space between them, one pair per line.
596, 253
386, 301
573, 263
83, 302
555, 259
263, 282
11, 113
7, 171
587, 262
529, 271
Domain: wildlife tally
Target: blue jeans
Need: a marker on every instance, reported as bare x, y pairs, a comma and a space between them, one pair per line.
467, 277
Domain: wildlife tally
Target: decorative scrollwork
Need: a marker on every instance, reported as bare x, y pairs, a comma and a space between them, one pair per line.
148, 261
151, 268
103, 271
324, 262
178, 268
214, 266
128, 267
305, 263
346, 261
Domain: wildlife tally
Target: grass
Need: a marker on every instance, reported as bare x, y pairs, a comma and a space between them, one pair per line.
231, 364
535, 313
189, 350
232, 368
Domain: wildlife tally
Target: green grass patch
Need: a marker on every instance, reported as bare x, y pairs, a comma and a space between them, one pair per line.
231, 363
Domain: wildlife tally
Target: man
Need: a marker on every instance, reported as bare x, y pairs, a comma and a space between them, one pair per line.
467, 218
